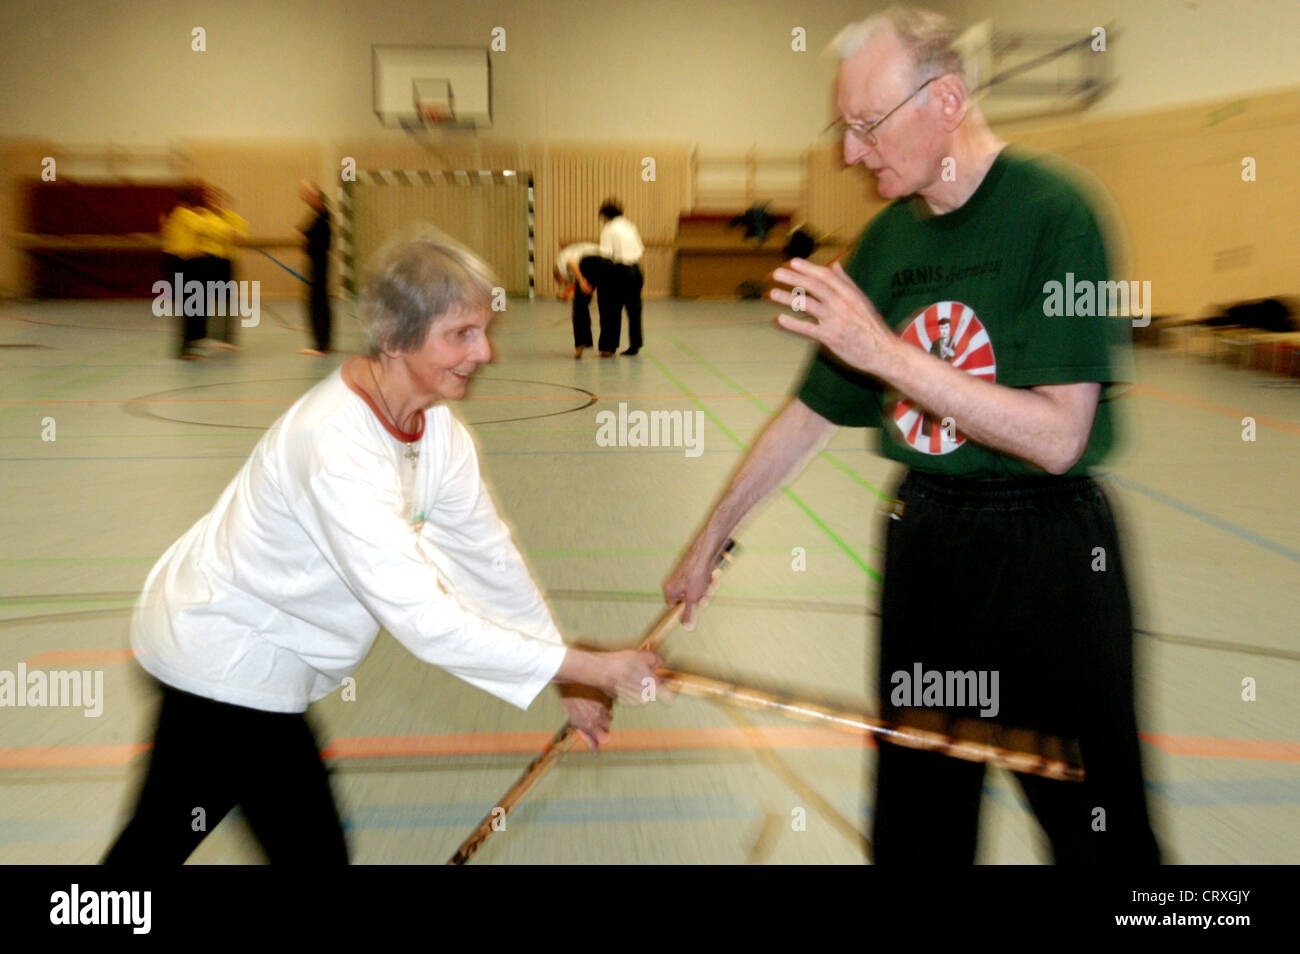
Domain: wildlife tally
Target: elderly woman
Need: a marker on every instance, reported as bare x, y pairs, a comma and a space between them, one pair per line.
361, 507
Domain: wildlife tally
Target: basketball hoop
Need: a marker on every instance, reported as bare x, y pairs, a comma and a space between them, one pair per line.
435, 113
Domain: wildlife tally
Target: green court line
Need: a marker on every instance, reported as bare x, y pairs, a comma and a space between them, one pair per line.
828, 456
798, 502
43, 600
539, 554
71, 561
792, 589
550, 553
158, 436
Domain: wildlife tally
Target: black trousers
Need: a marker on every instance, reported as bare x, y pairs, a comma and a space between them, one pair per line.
193, 328
1005, 575
582, 318
598, 272
222, 322
624, 285
318, 305
213, 756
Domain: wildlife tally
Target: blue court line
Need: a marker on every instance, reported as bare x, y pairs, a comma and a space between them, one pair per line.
1216, 522
1258, 791
438, 815
564, 811
1186, 794
1194, 793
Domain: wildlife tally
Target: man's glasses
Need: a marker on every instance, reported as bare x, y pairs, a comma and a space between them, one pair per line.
867, 134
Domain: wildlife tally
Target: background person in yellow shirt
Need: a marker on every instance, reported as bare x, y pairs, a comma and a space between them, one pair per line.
181, 256
220, 231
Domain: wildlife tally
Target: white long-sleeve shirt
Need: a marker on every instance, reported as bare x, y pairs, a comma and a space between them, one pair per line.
328, 532
573, 255
620, 242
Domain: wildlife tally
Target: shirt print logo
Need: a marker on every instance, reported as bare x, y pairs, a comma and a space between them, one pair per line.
951, 332
412, 516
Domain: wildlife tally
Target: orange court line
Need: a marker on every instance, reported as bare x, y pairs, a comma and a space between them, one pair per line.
70, 756
1175, 397
1214, 748
627, 740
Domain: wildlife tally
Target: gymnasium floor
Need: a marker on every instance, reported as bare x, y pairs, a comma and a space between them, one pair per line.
145, 444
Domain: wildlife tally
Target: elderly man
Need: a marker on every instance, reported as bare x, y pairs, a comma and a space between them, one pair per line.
1002, 555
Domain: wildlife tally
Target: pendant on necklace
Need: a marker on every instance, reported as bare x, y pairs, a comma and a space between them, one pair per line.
412, 454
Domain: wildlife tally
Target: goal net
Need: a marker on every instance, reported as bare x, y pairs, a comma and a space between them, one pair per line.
488, 211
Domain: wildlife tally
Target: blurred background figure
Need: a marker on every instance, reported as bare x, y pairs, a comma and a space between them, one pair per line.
620, 242
316, 234
581, 270
181, 229
221, 230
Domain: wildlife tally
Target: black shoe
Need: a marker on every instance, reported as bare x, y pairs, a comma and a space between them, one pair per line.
632, 351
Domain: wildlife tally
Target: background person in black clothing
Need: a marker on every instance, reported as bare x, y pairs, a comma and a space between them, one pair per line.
581, 272
620, 242
317, 236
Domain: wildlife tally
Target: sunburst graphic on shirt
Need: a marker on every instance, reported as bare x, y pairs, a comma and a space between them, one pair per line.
953, 333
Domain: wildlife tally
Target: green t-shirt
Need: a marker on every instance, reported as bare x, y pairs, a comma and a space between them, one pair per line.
971, 287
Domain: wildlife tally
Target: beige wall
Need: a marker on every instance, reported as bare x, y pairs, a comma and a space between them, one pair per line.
19, 159
716, 71
720, 73
585, 91
1168, 52
1198, 232
262, 180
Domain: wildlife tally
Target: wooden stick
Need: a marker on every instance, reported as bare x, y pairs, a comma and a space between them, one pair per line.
749, 698
563, 740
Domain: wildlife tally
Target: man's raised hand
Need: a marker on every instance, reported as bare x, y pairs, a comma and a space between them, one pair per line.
846, 321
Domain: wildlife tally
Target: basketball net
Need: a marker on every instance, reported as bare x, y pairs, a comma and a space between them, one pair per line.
433, 114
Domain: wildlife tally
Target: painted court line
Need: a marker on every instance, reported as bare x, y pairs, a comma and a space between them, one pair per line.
1227, 410
1216, 522
625, 740
80, 657
1140, 390
794, 498
824, 454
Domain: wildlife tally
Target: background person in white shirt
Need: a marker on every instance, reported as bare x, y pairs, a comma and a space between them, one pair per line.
582, 271
620, 242
362, 506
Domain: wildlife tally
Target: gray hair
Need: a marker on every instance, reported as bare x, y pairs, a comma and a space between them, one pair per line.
413, 281
929, 38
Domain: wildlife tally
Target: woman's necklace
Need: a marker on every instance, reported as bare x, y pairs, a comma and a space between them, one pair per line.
412, 452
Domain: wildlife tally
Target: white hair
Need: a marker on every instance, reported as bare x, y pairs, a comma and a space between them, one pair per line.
930, 39
414, 280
